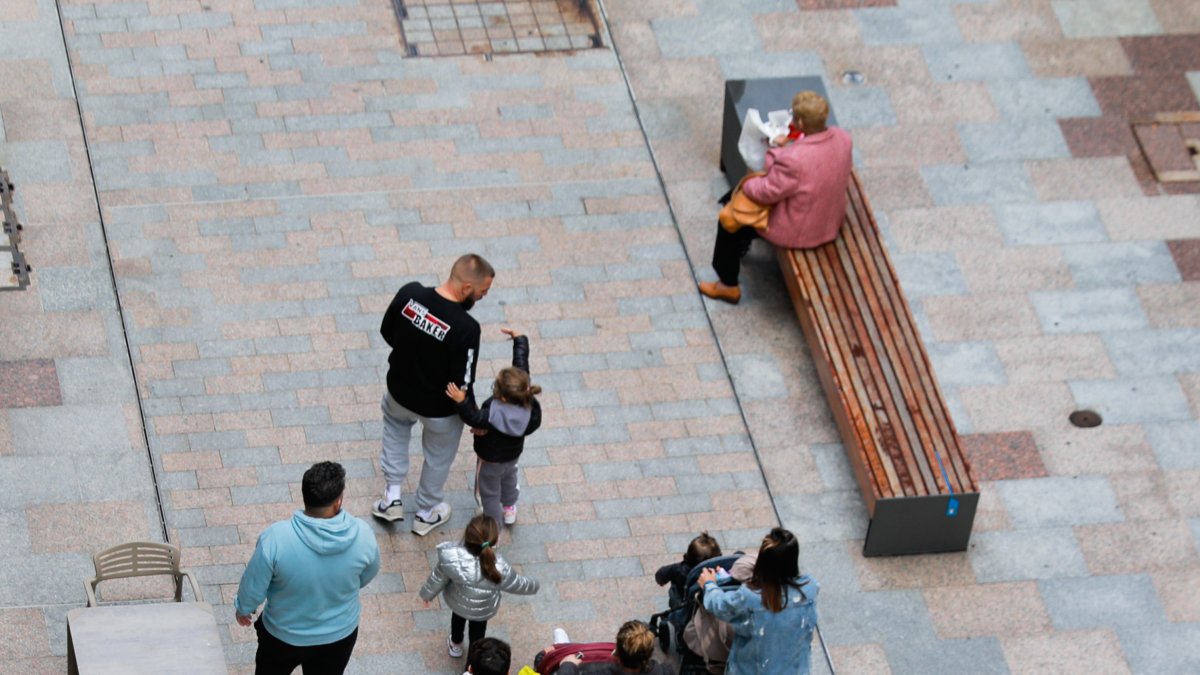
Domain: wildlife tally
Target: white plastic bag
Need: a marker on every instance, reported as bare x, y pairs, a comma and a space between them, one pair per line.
757, 134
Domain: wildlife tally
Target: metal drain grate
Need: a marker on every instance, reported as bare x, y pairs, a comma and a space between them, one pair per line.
1171, 144
452, 27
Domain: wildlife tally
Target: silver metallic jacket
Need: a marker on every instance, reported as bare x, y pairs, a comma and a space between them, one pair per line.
458, 577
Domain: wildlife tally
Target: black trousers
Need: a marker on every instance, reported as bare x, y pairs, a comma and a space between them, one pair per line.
457, 624
276, 657
729, 251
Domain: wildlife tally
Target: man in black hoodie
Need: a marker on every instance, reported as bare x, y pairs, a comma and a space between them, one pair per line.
434, 341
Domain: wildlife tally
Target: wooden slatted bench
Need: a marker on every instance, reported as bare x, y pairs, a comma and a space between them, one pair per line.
898, 434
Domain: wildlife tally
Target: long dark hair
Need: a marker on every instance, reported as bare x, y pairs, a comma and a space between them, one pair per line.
777, 568
480, 541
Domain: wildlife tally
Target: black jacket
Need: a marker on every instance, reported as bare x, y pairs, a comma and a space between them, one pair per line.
434, 342
652, 668
503, 442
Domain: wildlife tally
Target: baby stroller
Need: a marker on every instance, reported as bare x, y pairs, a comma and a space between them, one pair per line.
668, 625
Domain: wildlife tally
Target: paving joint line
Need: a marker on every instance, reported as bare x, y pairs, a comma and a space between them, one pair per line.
112, 274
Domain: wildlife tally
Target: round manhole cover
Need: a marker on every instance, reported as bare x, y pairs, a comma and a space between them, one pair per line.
1085, 419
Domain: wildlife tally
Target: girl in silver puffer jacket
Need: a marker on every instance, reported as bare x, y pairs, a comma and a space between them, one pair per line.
470, 577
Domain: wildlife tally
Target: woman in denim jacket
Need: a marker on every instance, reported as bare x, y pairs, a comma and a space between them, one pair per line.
773, 615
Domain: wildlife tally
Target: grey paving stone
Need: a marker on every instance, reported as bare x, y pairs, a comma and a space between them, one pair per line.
674, 504
939, 656
1133, 400
45, 579
752, 65
1102, 602
823, 516
124, 476
1121, 264
861, 107
888, 617
833, 466
756, 376
14, 533
69, 430
1175, 444
966, 363
1059, 501
209, 536
36, 161
1161, 649
562, 328
1050, 223
992, 183
217, 440
929, 274
88, 380
1019, 555
1087, 311
1012, 140
689, 36
989, 61
1155, 352
907, 25
1050, 98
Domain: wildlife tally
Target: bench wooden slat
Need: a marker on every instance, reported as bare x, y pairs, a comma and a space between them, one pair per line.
862, 346
915, 358
868, 469
873, 273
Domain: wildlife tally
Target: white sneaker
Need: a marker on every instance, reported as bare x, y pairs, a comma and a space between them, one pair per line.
454, 648
561, 637
510, 514
391, 512
437, 517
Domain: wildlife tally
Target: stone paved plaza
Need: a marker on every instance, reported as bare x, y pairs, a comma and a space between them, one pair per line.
221, 197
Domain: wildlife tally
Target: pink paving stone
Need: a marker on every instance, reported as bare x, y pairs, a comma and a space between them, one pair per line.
1003, 456
22, 634
1068, 451
88, 528
1014, 20
1134, 547
816, 30
867, 659
1049, 358
981, 317
1179, 591
1010, 270
1085, 178
27, 384
1186, 253
1066, 653
987, 609
1076, 57
1143, 495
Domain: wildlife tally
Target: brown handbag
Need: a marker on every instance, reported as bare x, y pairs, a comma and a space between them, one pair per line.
741, 211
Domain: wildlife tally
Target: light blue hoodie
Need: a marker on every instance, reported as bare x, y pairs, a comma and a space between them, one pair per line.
309, 571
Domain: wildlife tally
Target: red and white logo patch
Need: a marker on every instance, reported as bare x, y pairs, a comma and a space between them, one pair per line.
427, 323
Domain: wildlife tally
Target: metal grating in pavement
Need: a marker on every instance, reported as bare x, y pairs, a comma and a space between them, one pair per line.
453, 27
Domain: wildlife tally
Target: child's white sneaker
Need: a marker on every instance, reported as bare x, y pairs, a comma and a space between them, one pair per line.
510, 514
454, 648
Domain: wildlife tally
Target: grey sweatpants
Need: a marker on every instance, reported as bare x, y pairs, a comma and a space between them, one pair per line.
439, 441
496, 486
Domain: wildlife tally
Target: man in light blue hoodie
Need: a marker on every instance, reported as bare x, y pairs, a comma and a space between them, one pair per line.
309, 570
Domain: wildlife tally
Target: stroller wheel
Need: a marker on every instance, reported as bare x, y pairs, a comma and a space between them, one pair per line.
662, 629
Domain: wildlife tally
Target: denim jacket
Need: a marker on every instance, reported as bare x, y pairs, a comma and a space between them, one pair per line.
764, 641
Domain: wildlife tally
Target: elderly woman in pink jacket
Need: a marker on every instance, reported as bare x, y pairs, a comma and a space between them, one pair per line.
805, 184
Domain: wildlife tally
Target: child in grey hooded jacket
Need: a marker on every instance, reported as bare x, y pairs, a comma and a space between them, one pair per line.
500, 426
470, 577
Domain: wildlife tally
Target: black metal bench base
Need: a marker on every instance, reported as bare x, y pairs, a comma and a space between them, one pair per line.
911, 525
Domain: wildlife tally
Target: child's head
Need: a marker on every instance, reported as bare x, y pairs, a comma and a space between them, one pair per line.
489, 656
480, 541
635, 645
512, 386
702, 548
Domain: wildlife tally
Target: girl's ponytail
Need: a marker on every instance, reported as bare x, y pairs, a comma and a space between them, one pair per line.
480, 540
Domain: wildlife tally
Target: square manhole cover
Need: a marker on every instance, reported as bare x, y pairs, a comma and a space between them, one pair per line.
450, 27
1171, 145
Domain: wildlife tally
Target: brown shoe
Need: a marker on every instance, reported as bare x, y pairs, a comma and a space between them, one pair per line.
718, 292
